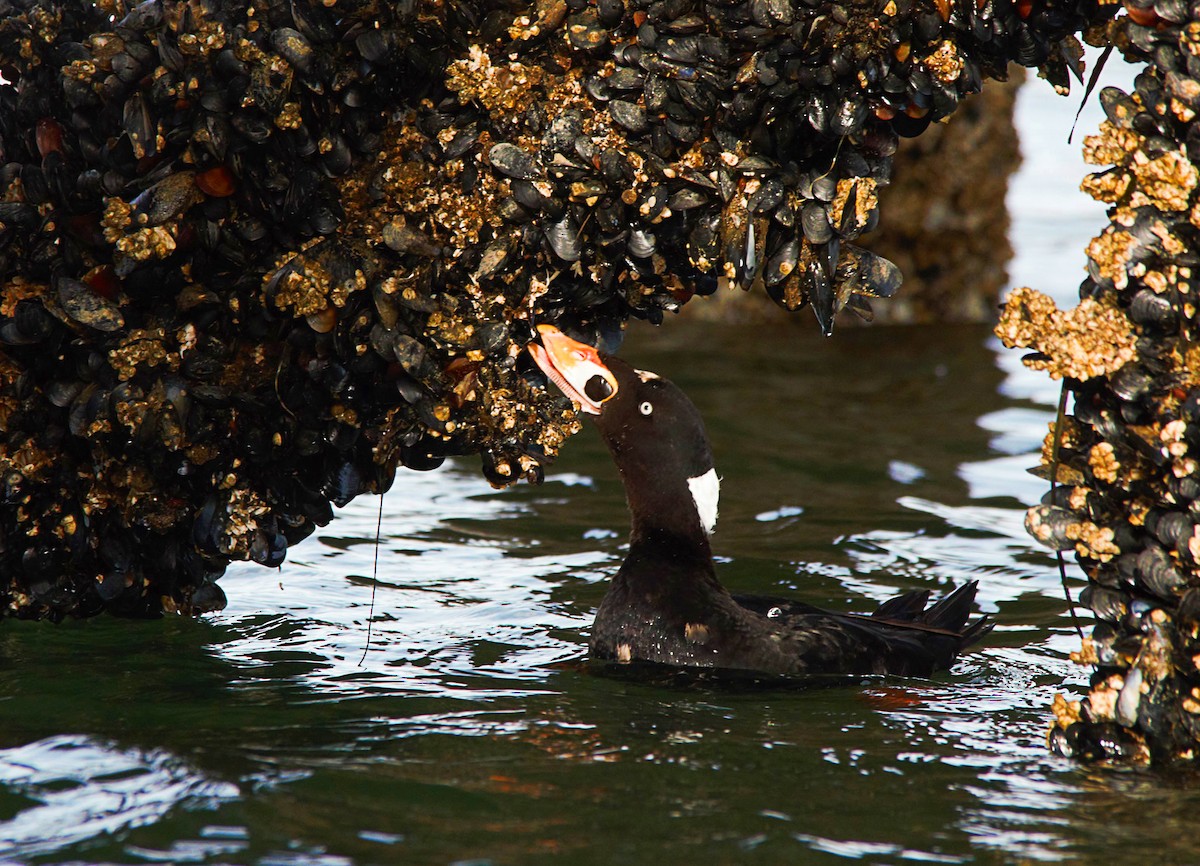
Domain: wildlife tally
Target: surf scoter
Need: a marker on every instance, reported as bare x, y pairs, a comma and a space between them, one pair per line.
666, 605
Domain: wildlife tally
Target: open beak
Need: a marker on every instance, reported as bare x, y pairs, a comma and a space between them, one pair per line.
575, 368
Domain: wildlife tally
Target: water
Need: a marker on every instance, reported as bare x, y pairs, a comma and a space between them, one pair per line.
879, 461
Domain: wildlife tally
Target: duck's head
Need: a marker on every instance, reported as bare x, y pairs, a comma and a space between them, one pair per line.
655, 433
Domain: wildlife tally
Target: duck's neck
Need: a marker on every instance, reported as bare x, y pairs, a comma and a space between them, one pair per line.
662, 563
682, 547
668, 542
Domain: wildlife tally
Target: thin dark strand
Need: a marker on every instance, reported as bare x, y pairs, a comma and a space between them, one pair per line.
374, 580
286, 355
1062, 563
1093, 80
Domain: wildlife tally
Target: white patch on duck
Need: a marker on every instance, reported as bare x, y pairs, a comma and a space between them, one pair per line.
646, 375
706, 491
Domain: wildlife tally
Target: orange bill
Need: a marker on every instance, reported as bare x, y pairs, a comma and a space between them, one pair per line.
575, 367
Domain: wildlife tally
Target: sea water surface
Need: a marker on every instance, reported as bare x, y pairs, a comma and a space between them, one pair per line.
879, 461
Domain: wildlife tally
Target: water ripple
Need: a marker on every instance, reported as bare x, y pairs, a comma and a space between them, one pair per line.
80, 789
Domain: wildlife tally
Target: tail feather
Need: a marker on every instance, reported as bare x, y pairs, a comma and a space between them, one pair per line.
904, 607
952, 611
948, 616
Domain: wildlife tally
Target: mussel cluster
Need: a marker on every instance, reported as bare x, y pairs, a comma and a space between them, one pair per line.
255, 254
1126, 491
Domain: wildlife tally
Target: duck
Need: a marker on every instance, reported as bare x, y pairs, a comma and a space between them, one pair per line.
665, 605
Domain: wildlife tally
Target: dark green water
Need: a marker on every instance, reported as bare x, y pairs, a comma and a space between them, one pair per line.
853, 468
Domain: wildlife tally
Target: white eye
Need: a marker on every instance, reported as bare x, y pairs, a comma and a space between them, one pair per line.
645, 408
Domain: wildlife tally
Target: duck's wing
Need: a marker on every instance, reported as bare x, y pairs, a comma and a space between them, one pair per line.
772, 607
903, 636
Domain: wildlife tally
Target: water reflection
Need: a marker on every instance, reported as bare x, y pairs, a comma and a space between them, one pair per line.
64, 789
451, 600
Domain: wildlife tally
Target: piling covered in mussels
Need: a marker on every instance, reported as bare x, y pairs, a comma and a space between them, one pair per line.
253, 255
1125, 495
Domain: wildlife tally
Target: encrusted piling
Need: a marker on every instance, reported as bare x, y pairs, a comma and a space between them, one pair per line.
1126, 495
254, 255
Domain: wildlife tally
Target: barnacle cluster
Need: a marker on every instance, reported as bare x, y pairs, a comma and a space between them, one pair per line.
255, 254
1124, 461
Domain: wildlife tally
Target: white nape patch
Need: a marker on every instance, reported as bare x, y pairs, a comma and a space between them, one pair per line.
706, 491
646, 375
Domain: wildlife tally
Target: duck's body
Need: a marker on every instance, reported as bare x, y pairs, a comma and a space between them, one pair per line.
666, 604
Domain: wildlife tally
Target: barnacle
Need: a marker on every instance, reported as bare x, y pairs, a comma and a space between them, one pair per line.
1089, 340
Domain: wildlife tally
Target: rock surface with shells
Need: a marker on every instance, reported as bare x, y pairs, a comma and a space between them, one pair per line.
254, 255
1125, 496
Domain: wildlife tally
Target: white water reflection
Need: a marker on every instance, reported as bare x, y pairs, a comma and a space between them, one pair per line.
80, 789
851, 849
443, 586
887, 560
